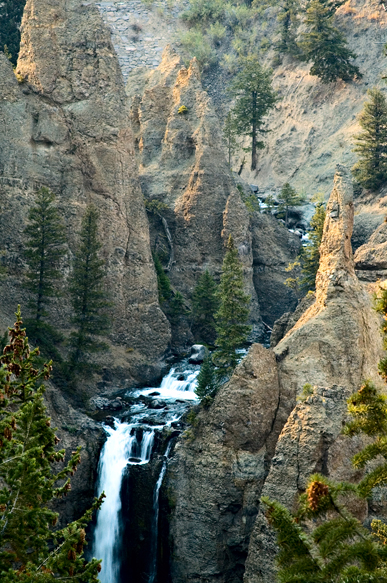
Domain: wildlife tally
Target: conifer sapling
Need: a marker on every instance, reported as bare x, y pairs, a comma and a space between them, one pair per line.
371, 143
205, 304
233, 313
88, 294
44, 250
31, 548
254, 97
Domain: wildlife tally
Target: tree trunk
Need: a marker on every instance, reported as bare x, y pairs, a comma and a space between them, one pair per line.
254, 133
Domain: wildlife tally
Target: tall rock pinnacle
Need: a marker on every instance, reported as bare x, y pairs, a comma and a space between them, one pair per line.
68, 129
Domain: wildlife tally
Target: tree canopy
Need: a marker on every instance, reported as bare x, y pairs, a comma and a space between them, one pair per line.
31, 547
325, 45
371, 143
88, 293
232, 329
254, 97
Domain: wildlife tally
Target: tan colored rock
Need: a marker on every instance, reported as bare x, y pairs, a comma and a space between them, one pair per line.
67, 127
371, 258
182, 165
310, 442
337, 340
336, 344
216, 476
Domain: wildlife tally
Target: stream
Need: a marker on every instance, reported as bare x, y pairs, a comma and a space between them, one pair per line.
130, 443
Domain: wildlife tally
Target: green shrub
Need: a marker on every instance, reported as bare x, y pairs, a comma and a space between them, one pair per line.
204, 11
197, 45
217, 32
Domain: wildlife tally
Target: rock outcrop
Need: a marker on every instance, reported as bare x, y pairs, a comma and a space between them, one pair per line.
182, 166
371, 258
274, 247
65, 126
217, 472
335, 342
335, 345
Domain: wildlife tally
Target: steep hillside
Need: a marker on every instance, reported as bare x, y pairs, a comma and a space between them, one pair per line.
255, 439
65, 125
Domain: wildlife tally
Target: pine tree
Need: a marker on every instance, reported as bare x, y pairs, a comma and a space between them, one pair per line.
310, 254
176, 308
233, 313
254, 97
31, 549
163, 283
288, 29
88, 295
44, 250
11, 12
229, 137
205, 304
207, 386
323, 541
371, 144
325, 46
287, 199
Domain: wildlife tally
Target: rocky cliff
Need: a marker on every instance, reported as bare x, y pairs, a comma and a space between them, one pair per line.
65, 125
256, 439
182, 166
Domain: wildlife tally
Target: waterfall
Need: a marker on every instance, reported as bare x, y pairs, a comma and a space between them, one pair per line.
132, 444
155, 521
120, 449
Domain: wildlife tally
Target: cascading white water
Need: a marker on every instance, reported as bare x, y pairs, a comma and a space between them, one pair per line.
155, 520
176, 385
123, 448
120, 447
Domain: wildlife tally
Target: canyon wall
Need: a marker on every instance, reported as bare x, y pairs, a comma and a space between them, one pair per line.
65, 125
255, 439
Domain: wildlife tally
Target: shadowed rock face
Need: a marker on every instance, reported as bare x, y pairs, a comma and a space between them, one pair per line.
335, 345
215, 480
67, 127
371, 258
255, 418
182, 164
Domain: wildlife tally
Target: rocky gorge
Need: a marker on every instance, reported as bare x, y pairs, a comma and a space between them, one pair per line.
93, 124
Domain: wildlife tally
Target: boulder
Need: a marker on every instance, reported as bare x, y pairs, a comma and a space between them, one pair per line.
198, 354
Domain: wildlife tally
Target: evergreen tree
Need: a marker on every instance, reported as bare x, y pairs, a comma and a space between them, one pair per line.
207, 386
233, 313
176, 308
323, 541
325, 46
44, 249
288, 29
205, 304
254, 97
163, 283
31, 549
310, 254
287, 199
371, 144
229, 137
11, 12
87, 291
